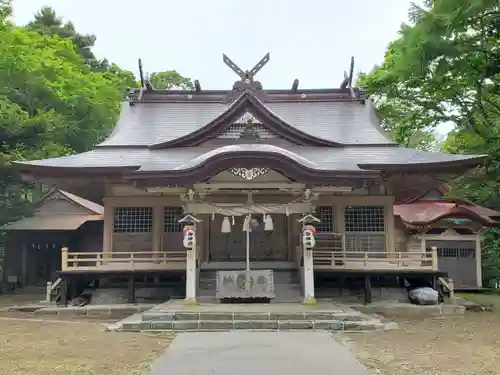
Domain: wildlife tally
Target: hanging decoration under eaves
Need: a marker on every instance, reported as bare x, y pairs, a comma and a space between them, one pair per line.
249, 223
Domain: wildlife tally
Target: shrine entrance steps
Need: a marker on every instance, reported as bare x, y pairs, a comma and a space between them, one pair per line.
174, 316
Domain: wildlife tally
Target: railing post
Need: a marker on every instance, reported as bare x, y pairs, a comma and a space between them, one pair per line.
434, 258
64, 258
48, 292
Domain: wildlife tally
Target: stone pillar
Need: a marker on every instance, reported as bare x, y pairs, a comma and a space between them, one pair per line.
308, 270
191, 277
191, 272
479, 263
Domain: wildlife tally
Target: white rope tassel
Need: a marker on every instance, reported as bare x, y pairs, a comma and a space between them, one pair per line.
268, 223
232, 217
213, 216
246, 224
226, 225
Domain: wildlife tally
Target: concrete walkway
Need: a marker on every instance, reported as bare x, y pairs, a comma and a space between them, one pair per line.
262, 353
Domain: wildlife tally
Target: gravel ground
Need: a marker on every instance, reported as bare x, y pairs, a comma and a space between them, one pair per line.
47, 347
466, 345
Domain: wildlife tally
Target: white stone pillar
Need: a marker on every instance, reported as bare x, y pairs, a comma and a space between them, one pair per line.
189, 243
191, 273
479, 263
308, 270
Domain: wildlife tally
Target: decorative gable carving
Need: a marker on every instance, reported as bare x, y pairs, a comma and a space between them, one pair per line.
249, 174
450, 232
257, 175
247, 127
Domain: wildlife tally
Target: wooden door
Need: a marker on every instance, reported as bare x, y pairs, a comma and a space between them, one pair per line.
227, 247
272, 245
264, 245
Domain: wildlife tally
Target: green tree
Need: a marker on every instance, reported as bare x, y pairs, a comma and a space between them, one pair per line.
51, 104
445, 68
56, 98
46, 21
5, 9
170, 80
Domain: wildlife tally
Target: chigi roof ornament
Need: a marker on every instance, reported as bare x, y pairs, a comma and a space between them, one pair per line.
246, 81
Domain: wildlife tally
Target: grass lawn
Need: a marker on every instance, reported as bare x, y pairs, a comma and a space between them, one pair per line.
57, 348
447, 346
492, 299
12, 299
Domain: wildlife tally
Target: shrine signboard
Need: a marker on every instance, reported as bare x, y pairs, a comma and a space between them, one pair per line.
245, 284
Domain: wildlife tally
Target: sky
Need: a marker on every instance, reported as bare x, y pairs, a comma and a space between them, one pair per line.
310, 40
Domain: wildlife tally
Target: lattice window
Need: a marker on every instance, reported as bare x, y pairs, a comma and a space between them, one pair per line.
325, 214
235, 130
171, 217
133, 220
455, 252
364, 219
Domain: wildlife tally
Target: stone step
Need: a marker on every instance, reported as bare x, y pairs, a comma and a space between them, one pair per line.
254, 325
151, 316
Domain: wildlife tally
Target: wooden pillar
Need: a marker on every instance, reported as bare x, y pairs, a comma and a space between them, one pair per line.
131, 289
435, 282
435, 263
205, 247
368, 289
479, 264
107, 233
157, 228
24, 264
390, 228
339, 221
63, 291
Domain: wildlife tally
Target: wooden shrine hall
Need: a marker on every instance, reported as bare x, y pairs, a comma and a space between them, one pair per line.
252, 188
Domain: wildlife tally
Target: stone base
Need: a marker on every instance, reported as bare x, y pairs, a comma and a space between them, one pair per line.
310, 301
190, 302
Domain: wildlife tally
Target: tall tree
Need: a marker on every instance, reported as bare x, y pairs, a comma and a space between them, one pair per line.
51, 104
5, 9
46, 21
445, 68
56, 98
170, 80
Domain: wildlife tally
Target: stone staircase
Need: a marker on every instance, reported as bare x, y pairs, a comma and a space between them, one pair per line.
254, 317
286, 285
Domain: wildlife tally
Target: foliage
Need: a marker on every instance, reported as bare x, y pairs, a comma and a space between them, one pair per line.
56, 97
47, 22
445, 68
5, 9
170, 80
51, 104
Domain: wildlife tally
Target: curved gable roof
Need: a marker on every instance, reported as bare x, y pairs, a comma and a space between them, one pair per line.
246, 102
169, 124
